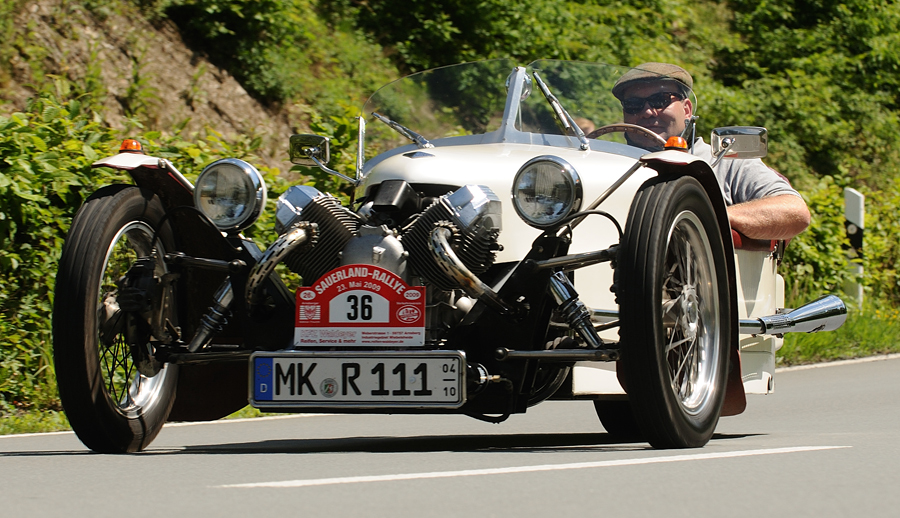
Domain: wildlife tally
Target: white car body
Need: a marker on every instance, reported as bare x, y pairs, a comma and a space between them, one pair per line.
761, 289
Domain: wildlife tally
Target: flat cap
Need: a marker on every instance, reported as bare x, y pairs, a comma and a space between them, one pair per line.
648, 72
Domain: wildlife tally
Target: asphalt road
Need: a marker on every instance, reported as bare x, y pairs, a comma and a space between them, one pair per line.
826, 444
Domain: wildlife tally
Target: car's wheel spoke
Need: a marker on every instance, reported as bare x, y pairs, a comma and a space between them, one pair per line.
673, 344
687, 356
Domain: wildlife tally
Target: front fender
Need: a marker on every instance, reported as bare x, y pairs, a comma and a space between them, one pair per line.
678, 163
212, 390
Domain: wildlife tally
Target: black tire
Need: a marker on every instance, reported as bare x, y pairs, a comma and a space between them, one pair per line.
112, 407
675, 313
618, 420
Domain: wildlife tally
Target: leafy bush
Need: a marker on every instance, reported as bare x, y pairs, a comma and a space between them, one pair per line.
423, 35
823, 77
275, 49
881, 246
816, 262
45, 173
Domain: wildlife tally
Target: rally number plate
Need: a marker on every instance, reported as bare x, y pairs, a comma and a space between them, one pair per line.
360, 305
425, 379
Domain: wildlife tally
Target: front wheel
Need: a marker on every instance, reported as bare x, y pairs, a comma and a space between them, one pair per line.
675, 313
115, 394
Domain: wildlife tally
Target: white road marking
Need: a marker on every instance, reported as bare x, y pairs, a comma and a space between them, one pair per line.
527, 469
35, 434
180, 424
243, 420
838, 363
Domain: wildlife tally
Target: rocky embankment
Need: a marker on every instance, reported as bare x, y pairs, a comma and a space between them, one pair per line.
147, 72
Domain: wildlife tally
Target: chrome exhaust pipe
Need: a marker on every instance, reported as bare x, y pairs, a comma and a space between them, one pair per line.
468, 281
824, 314
302, 234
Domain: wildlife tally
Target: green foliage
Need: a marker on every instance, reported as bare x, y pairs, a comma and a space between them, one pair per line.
45, 173
866, 333
815, 262
823, 76
34, 421
881, 246
238, 35
425, 35
275, 48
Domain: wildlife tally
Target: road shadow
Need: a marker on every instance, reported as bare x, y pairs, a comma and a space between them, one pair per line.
528, 443
499, 443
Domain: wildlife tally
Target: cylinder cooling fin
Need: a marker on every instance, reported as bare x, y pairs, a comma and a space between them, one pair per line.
472, 215
334, 225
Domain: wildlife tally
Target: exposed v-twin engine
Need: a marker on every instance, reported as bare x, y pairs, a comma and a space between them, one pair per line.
340, 237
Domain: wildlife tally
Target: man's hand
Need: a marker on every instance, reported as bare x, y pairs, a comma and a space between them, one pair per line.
777, 217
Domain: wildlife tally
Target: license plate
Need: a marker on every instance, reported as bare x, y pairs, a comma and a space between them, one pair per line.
426, 379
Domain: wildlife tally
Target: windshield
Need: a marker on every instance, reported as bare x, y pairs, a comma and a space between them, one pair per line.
472, 99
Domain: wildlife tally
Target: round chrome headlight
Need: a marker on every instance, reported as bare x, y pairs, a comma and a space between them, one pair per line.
546, 190
231, 193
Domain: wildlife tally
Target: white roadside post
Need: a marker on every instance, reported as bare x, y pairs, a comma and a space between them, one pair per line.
854, 212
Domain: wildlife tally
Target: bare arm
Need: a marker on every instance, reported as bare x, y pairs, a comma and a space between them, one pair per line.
777, 217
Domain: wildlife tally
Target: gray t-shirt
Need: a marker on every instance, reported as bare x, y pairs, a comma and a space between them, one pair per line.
744, 179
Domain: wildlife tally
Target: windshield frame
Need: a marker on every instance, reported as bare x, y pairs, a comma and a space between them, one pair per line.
520, 90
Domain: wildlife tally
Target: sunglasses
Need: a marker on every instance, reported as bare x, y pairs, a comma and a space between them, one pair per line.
659, 101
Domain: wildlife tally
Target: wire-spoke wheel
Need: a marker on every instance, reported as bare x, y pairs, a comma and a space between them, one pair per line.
675, 312
115, 393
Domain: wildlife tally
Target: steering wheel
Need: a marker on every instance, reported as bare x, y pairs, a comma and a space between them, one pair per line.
626, 128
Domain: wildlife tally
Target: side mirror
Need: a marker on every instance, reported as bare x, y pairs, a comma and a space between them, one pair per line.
310, 150
739, 142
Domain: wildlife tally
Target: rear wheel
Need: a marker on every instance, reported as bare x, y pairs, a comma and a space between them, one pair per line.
115, 393
675, 312
618, 420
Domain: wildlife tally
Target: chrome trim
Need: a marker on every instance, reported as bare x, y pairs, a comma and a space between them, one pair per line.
603, 316
573, 310
467, 281
168, 166
290, 205
824, 314
360, 148
559, 355
257, 201
573, 177
215, 319
299, 235
740, 142
471, 204
574, 261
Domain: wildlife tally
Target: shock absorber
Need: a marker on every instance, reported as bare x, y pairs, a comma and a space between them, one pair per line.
573, 310
215, 319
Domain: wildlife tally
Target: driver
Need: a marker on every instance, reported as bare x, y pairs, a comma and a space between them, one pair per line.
761, 204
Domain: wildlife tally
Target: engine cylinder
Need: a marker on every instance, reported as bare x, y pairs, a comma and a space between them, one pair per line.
472, 214
335, 227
